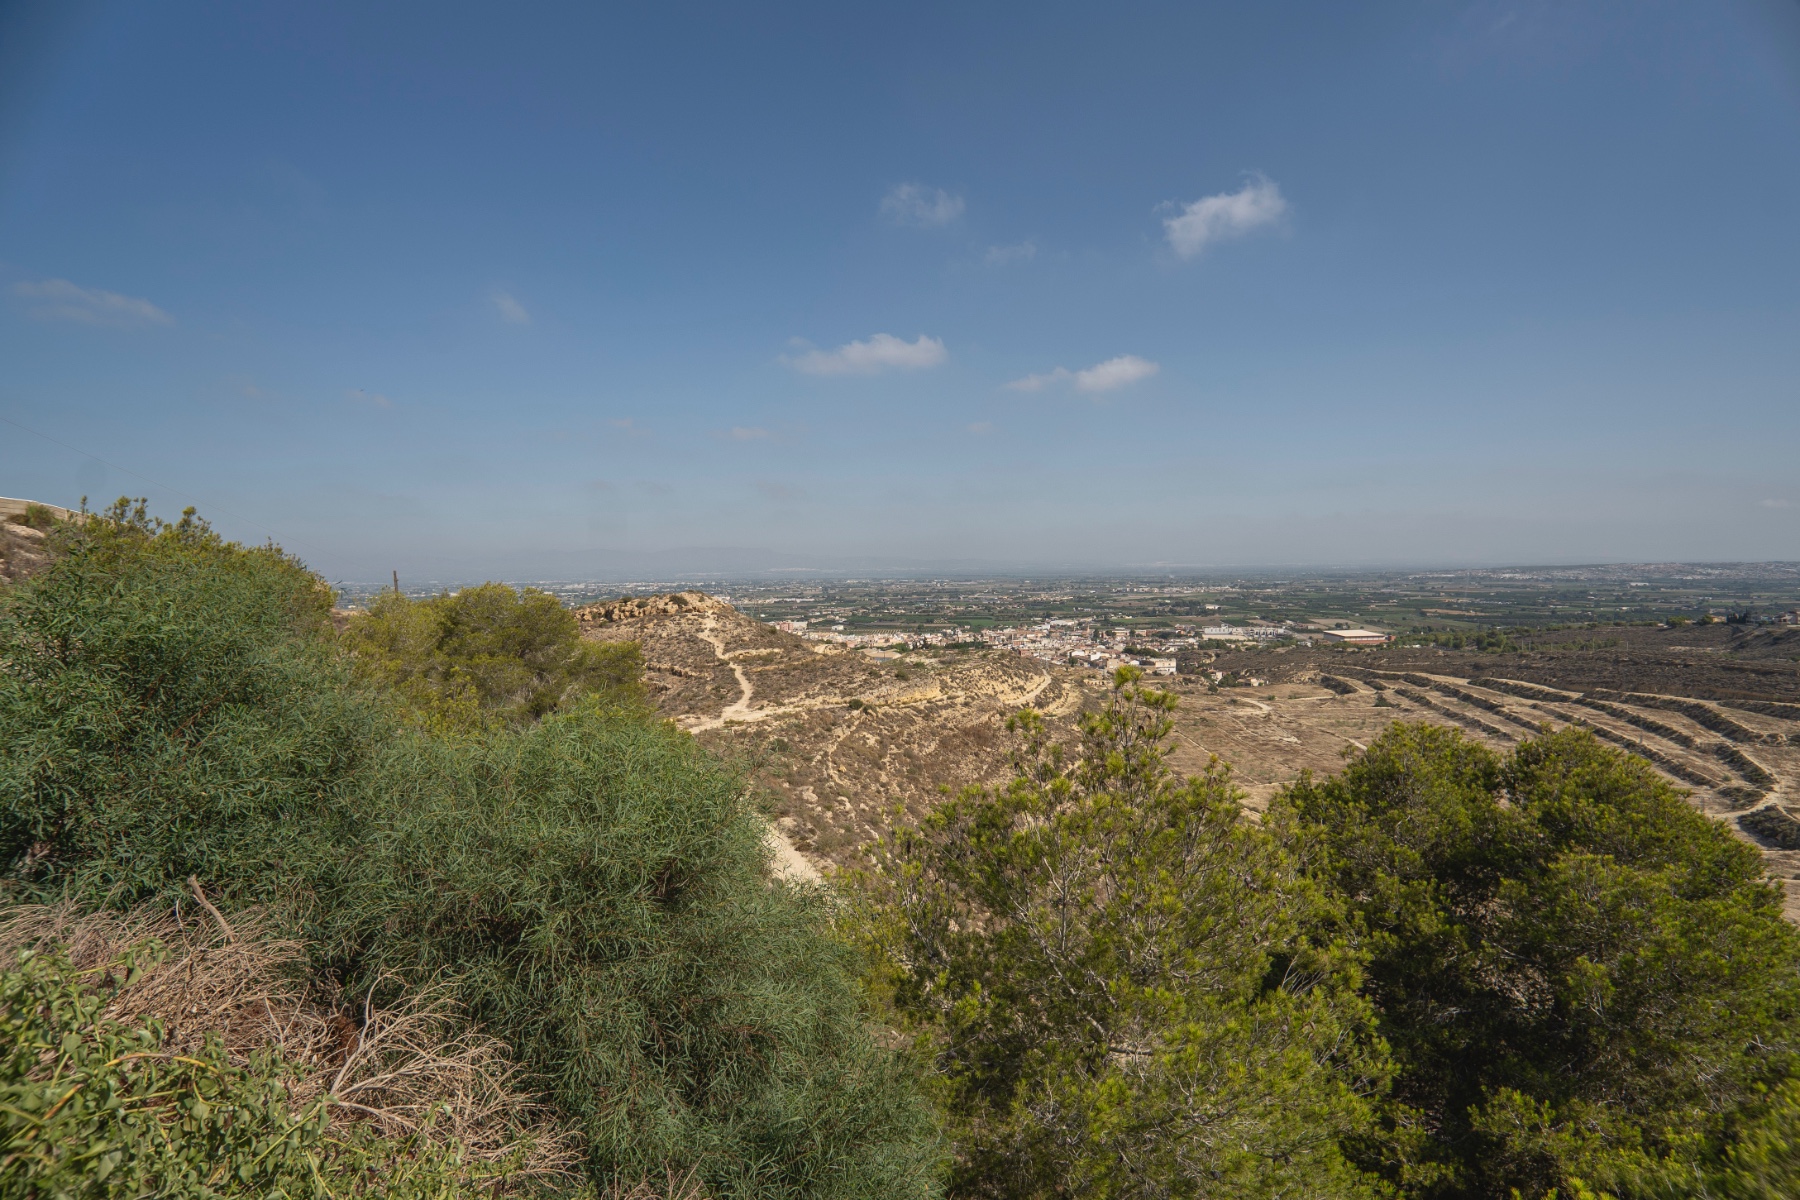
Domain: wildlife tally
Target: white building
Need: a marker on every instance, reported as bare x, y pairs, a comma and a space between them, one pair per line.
1355, 637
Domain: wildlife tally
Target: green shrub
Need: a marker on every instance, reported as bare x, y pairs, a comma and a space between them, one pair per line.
486, 656
598, 889
1118, 976
92, 1108
168, 708
1762, 1160
1581, 977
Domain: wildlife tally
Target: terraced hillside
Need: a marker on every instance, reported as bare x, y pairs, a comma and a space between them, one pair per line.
1740, 760
840, 738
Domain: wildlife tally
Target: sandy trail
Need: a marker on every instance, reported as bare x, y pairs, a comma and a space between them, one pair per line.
789, 863
739, 709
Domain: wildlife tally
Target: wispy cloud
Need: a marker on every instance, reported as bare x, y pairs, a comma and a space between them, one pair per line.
980, 427
1037, 383
916, 204
1117, 372
365, 397
1114, 373
1776, 502
60, 300
747, 433
510, 310
1227, 215
882, 352
770, 489
1000, 256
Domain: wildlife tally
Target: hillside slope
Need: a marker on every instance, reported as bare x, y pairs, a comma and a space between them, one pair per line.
840, 738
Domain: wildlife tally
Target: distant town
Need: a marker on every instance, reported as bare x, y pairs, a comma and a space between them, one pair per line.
1068, 641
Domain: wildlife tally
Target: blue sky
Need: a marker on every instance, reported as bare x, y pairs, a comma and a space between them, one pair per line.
556, 290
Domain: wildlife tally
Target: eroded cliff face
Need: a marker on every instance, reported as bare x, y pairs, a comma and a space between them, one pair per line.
631, 608
22, 551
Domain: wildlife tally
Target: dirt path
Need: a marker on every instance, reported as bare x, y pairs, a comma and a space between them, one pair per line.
789, 863
739, 709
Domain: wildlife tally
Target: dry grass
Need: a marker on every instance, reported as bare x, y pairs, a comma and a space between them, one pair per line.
406, 1069
674, 1187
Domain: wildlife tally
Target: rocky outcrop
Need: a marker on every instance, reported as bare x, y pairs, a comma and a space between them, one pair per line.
632, 608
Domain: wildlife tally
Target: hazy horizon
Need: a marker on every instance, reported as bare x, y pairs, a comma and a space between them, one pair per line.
557, 293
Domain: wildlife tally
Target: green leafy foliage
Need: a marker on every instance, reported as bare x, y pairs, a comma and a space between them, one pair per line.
1120, 979
487, 656
1581, 978
1762, 1161
92, 1108
598, 889
592, 888
168, 708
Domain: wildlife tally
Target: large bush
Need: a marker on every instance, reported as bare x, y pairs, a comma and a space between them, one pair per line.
170, 707
1120, 979
487, 656
1581, 977
599, 890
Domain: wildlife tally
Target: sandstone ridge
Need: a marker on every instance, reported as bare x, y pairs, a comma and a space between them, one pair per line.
632, 608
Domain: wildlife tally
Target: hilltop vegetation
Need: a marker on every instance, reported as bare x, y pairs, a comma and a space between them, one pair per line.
437, 906
178, 720
487, 656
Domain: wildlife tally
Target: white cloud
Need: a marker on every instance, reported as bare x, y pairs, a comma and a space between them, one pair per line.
1115, 373
60, 300
1227, 215
878, 353
511, 311
1101, 377
916, 204
1776, 502
980, 427
1000, 256
1037, 383
361, 396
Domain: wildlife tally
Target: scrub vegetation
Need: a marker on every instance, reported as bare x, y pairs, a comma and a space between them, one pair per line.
433, 905
180, 726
